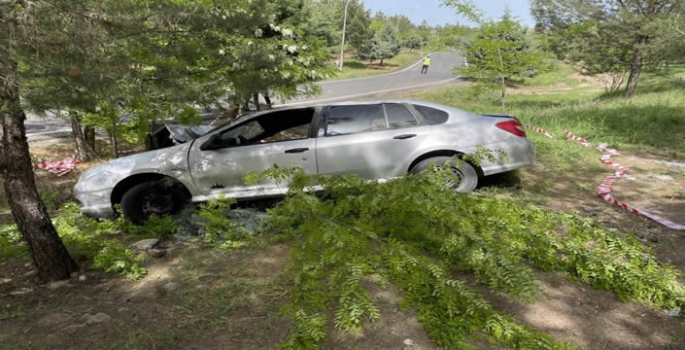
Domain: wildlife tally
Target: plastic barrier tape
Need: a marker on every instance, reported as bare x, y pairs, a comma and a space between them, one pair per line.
604, 190
59, 168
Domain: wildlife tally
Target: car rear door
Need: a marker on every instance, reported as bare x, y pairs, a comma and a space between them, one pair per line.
374, 141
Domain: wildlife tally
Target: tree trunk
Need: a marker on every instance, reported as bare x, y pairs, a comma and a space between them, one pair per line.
269, 105
503, 81
381, 62
89, 135
635, 69
246, 105
83, 151
151, 127
256, 101
502, 100
113, 141
49, 255
410, 48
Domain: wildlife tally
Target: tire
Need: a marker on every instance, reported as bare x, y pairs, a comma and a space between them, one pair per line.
152, 198
466, 172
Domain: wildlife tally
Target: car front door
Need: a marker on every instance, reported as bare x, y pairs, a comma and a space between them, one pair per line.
281, 138
374, 141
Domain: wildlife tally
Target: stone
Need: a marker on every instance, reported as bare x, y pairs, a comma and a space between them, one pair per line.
673, 313
82, 278
157, 253
22, 291
57, 284
664, 177
30, 274
408, 342
122, 309
144, 294
74, 275
97, 318
171, 286
145, 244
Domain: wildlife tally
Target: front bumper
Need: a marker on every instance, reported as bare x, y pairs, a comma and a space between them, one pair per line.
95, 200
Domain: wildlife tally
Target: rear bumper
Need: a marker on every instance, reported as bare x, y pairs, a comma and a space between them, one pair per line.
519, 153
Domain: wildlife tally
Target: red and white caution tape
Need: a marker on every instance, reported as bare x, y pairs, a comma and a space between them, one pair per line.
540, 130
604, 190
572, 137
59, 168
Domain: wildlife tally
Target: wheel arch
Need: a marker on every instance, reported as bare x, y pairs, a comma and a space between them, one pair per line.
126, 184
443, 153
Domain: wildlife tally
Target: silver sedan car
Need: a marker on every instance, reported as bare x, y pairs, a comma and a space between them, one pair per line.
374, 140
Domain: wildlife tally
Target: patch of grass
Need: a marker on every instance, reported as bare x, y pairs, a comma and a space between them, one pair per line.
354, 68
559, 74
8, 311
102, 243
11, 245
654, 120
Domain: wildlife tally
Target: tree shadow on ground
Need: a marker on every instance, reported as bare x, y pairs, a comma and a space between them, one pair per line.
651, 87
591, 318
355, 65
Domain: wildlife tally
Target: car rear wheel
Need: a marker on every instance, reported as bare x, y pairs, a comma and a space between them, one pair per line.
150, 198
466, 176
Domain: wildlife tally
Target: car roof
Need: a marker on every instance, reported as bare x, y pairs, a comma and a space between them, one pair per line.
316, 105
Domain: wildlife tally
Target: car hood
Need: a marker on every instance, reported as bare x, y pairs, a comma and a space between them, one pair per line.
169, 161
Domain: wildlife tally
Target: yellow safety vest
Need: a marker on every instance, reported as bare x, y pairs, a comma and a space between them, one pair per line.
427, 62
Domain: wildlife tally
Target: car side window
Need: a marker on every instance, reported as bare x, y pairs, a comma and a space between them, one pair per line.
345, 120
432, 116
286, 125
242, 134
399, 116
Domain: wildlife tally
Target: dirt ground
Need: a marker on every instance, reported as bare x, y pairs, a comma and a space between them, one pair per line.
195, 298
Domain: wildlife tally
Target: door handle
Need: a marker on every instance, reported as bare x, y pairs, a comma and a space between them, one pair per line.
404, 137
297, 150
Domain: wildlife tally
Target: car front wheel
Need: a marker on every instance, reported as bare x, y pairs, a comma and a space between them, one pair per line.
150, 198
466, 176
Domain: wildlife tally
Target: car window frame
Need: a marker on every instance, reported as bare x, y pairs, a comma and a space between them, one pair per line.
311, 132
327, 112
419, 121
420, 116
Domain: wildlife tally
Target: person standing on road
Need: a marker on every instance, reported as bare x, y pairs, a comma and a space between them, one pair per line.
426, 64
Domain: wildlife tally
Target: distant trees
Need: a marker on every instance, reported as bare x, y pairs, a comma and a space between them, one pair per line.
500, 50
384, 45
364, 29
610, 36
414, 42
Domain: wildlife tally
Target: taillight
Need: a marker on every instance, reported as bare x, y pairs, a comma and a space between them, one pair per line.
513, 126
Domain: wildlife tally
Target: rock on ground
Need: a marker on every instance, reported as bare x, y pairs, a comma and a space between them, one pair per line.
145, 244
97, 318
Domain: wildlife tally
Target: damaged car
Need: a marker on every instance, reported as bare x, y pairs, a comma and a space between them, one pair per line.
374, 140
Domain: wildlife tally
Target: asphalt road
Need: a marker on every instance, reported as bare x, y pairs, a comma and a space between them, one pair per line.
441, 72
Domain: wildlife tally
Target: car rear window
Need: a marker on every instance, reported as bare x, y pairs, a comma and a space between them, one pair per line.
431, 115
